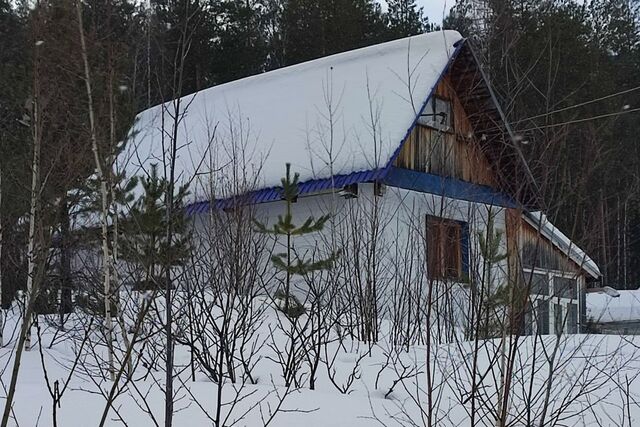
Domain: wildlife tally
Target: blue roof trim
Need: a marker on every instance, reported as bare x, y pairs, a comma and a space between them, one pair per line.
447, 187
458, 45
273, 193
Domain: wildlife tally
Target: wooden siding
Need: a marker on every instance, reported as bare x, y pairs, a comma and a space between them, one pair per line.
527, 248
455, 154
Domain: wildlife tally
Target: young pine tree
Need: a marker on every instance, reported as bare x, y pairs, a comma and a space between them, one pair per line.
143, 236
290, 262
496, 296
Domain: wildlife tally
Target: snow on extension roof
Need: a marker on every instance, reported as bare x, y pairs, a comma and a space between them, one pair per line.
373, 94
562, 242
602, 308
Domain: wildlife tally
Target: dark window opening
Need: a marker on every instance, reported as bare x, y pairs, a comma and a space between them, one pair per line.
438, 114
565, 288
542, 317
572, 322
539, 283
558, 319
379, 188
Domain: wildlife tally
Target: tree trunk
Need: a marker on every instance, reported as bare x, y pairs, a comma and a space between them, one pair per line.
33, 212
65, 265
24, 340
104, 195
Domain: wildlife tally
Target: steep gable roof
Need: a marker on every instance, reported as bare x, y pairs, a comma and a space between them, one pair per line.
338, 120
357, 105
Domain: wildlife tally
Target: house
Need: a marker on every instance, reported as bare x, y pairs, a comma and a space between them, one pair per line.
613, 312
410, 128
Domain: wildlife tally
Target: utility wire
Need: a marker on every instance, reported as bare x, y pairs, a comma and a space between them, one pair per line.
586, 119
624, 92
572, 107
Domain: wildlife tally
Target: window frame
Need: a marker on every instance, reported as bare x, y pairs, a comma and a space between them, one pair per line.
431, 115
554, 301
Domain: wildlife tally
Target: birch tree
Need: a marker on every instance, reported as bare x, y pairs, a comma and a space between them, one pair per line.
107, 266
35, 267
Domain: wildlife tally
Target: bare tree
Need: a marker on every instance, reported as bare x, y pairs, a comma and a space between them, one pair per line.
35, 261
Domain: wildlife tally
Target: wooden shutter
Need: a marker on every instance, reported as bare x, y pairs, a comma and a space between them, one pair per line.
444, 248
434, 240
452, 261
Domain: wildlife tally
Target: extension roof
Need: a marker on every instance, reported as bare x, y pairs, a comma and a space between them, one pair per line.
338, 120
540, 222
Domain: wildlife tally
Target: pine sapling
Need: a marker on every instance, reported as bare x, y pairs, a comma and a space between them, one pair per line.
290, 262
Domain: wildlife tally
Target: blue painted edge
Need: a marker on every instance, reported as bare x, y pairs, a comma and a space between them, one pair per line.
392, 176
272, 194
447, 187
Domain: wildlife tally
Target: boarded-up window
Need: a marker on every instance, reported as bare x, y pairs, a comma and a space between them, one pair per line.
446, 248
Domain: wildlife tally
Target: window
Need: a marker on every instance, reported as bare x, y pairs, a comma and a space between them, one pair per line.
437, 114
542, 317
446, 248
572, 321
558, 319
539, 284
553, 301
565, 287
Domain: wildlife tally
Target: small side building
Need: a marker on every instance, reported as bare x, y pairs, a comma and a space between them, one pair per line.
616, 313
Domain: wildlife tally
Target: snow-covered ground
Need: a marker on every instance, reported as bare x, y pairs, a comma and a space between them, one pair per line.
593, 381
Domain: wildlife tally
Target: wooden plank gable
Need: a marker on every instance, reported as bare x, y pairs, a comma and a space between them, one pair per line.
455, 153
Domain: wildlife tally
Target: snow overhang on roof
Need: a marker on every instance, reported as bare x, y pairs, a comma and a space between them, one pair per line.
338, 115
602, 308
540, 222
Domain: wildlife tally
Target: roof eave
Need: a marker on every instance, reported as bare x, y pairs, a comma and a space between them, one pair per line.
557, 238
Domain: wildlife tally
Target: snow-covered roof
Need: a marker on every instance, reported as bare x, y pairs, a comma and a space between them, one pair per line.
335, 115
603, 308
540, 221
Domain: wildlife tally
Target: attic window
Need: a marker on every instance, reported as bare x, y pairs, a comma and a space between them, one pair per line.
447, 242
437, 114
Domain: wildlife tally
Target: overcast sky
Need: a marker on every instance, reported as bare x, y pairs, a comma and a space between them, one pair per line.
435, 8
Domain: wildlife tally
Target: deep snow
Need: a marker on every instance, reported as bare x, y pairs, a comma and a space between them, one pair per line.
589, 384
